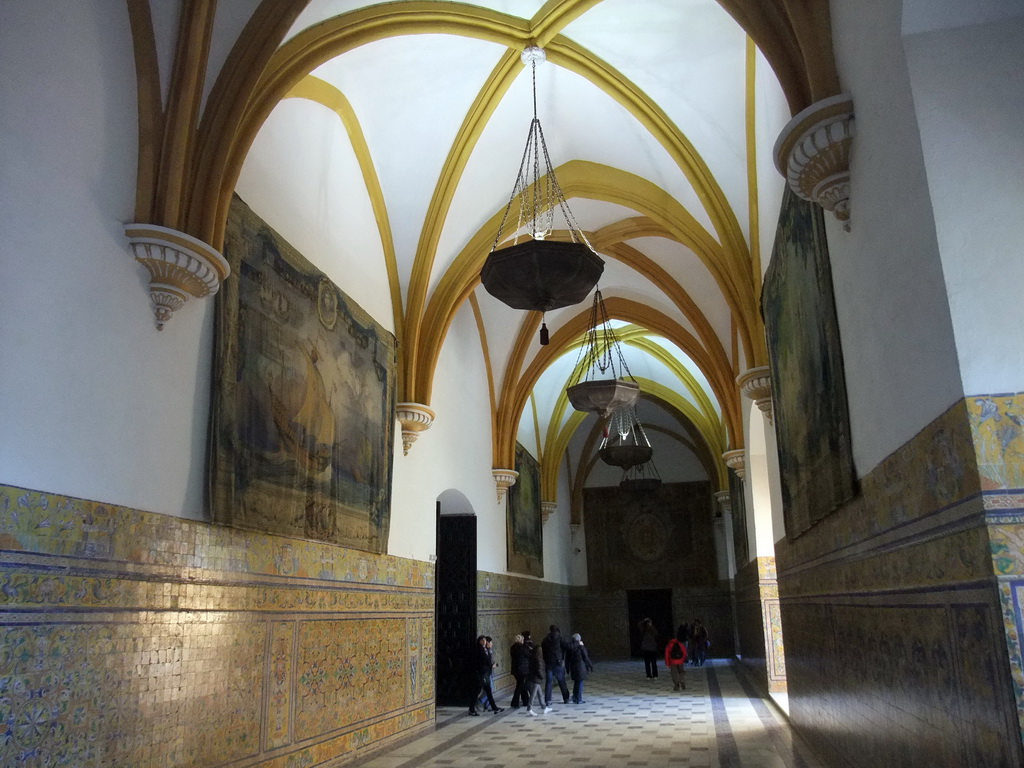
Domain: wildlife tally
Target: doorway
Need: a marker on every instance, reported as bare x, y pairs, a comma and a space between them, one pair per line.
653, 604
455, 606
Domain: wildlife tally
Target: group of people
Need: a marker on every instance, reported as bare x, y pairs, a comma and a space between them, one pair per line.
690, 643
533, 666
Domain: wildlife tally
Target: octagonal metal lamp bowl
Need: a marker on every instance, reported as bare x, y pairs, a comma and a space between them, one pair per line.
643, 478
541, 275
537, 273
602, 396
626, 456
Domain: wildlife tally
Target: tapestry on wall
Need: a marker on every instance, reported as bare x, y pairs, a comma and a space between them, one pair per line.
738, 503
812, 421
525, 526
656, 540
303, 398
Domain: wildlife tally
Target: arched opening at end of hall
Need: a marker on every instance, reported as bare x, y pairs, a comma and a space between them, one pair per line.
455, 596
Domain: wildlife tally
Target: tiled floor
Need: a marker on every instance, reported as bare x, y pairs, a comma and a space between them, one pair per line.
627, 720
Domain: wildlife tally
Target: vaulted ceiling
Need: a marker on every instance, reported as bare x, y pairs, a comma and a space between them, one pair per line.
399, 128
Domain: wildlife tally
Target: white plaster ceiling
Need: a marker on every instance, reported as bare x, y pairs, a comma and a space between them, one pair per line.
410, 93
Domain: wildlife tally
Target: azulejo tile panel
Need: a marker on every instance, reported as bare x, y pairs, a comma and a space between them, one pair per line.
895, 648
348, 671
1011, 598
934, 471
50, 524
506, 605
997, 424
129, 638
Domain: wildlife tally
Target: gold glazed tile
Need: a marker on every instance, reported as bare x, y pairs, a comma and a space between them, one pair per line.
997, 424
164, 641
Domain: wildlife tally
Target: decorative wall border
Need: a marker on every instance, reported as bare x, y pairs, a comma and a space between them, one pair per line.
133, 638
933, 523
508, 604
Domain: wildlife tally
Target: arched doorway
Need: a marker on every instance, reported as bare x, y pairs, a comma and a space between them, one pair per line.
455, 596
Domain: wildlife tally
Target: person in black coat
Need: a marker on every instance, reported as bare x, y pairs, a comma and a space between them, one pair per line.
520, 655
555, 648
535, 680
579, 665
482, 666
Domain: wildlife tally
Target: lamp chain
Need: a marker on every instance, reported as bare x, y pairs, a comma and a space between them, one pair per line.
537, 188
598, 344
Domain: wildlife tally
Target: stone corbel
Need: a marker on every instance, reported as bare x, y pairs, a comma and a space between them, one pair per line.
179, 266
756, 384
724, 499
547, 509
504, 479
813, 153
414, 418
736, 461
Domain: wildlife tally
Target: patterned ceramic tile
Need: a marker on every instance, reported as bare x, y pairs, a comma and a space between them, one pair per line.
891, 626
506, 605
997, 423
136, 639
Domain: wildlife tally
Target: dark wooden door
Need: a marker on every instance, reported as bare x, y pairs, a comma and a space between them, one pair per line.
653, 604
456, 607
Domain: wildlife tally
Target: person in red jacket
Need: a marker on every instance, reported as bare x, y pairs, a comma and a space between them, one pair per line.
675, 660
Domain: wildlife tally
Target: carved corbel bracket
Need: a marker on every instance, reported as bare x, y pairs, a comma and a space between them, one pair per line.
756, 384
179, 266
737, 462
414, 418
547, 509
504, 479
813, 153
724, 499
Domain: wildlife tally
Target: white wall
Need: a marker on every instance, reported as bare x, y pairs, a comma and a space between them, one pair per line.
771, 115
968, 87
757, 485
454, 453
318, 199
94, 402
901, 365
561, 564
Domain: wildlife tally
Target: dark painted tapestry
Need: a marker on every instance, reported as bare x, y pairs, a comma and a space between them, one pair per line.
303, 398
812, 420
657, 540
525, 526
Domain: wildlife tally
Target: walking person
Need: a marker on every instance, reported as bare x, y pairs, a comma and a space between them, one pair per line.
675, 660
482, 700
700, 643
520, 657
683, 634
483, 665
554, 648
579, 666
649, 648
535, 681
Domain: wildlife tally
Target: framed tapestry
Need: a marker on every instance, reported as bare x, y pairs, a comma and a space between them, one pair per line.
525, 526
812, 420
303, 404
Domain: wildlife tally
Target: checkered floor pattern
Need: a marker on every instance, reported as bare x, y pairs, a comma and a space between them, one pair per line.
627, 720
